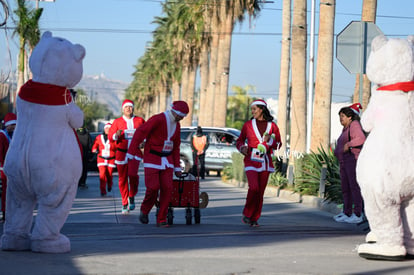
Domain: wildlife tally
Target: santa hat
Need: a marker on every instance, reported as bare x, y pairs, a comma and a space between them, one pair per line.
10, 119
259, 102
356, 107
127, 102
108, 125
180, 108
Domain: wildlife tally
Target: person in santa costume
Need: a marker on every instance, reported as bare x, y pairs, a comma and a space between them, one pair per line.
120, 134
161, 158
5, 139
347, 150
105, 159
258, 138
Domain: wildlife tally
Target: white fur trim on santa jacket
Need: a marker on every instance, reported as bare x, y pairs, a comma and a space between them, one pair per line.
251, 135
123, 142
159, 131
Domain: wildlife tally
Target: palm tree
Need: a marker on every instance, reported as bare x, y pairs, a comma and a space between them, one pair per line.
284, 74
369, 11
204, 65
208, 117
321, 125
298, 103
231, 12
28, 30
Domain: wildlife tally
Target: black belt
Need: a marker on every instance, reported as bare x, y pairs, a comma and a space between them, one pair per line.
122, 150
107, 158
160, 154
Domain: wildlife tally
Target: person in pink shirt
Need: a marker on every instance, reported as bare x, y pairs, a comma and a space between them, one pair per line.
347, 150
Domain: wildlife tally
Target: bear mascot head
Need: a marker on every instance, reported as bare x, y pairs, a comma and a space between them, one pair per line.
43, 164
385, 170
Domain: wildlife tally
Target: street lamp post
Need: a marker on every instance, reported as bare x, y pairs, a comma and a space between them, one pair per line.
37, 2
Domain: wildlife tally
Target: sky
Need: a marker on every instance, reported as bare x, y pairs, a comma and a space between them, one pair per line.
116, 33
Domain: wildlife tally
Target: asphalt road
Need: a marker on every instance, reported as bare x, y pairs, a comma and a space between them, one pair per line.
292, 239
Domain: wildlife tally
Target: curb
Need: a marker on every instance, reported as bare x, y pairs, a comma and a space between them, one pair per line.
310, 201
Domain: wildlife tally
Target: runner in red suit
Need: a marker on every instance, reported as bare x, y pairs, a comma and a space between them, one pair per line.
120, 134
258, 138
105, 159
161, 158
5, 138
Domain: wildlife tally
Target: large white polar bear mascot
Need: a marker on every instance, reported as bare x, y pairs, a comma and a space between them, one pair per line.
385, 168
43, 164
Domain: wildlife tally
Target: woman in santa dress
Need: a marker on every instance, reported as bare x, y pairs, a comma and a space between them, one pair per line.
258, 138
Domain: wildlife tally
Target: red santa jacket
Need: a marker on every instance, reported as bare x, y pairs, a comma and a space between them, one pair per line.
251, 135
122, 143
4, 146
162, 145
106, 152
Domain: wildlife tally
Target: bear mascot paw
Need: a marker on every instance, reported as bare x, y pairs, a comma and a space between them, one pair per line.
43, 164
384, 168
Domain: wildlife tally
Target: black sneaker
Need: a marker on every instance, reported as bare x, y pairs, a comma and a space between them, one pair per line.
109, 189
254, 224
143, 218
163, 224
83, 186
246, 220
131, 203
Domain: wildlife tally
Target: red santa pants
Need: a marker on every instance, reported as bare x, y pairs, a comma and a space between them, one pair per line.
126, 190
3, 191
105, 178
254, 202
158, 181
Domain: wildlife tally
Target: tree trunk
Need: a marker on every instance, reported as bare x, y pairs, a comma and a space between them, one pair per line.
188, 120
175, 90
321, 125
203, 109
224, 70
284, 75
20, 71
369, 11
163, 96
210, 100
298, 105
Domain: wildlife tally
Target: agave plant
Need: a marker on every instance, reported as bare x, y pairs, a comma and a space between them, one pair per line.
227, 173
278, 179
308, 175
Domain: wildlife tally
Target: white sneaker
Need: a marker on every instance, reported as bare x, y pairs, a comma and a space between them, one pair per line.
337, 216
341, 217
354, 219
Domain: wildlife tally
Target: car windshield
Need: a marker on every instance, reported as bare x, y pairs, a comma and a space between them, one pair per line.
184, 135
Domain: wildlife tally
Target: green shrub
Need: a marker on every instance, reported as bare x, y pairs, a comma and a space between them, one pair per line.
227, 173
308, 173
278, 179
238, 167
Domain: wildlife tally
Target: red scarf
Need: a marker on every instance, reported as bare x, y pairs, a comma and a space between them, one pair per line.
400, 86
46, 94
